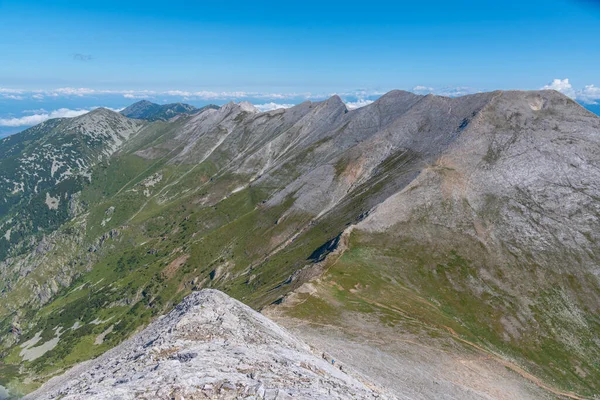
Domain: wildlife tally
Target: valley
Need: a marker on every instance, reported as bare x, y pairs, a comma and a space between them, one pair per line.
458, 236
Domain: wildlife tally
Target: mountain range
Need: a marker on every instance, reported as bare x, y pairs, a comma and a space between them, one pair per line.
153, 112
458, 238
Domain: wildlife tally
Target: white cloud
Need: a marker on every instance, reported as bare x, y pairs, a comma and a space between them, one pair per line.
420, 88
11, 96
590, 94
74, 91
561, 85
198, 95
69, 91
180, 93
271, 106
359, 93
209, 95
37, 111
11, 91
352, 105
41, 116
137, 96
457, 91
445, 91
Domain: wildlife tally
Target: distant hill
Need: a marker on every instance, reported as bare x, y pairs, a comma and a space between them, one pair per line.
44, 167
154, 112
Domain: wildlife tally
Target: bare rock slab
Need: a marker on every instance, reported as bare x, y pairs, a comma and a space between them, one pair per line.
209, 346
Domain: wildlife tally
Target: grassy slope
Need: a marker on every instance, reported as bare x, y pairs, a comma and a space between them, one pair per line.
426, 286
186, 231
126, 279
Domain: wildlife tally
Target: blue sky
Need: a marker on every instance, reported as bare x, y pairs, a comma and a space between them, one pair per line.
77, 55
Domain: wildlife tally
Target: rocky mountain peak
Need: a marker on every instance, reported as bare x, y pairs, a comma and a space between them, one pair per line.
100, 112
210, 346
142, 103
243, 106
334, 101
248, 107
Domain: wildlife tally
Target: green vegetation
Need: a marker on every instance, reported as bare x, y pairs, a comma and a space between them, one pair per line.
227, 241
444, 291
107, 243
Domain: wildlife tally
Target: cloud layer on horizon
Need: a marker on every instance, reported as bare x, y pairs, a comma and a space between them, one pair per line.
445, 91
12, 93
39, 116
272, 106
589, 94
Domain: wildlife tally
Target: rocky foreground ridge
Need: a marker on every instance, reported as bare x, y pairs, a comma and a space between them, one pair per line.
209, 346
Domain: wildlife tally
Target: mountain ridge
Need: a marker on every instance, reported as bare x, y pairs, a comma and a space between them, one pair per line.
269, 361
449, 201
149, 111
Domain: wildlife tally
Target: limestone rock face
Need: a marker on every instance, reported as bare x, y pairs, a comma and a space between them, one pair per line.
209, 346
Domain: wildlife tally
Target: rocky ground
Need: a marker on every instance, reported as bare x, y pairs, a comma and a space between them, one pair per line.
210, 346
413, 366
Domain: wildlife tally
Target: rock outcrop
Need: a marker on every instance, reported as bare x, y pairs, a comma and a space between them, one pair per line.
209, 346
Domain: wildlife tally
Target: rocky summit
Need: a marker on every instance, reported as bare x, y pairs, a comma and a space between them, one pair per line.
434, 247
209, 346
